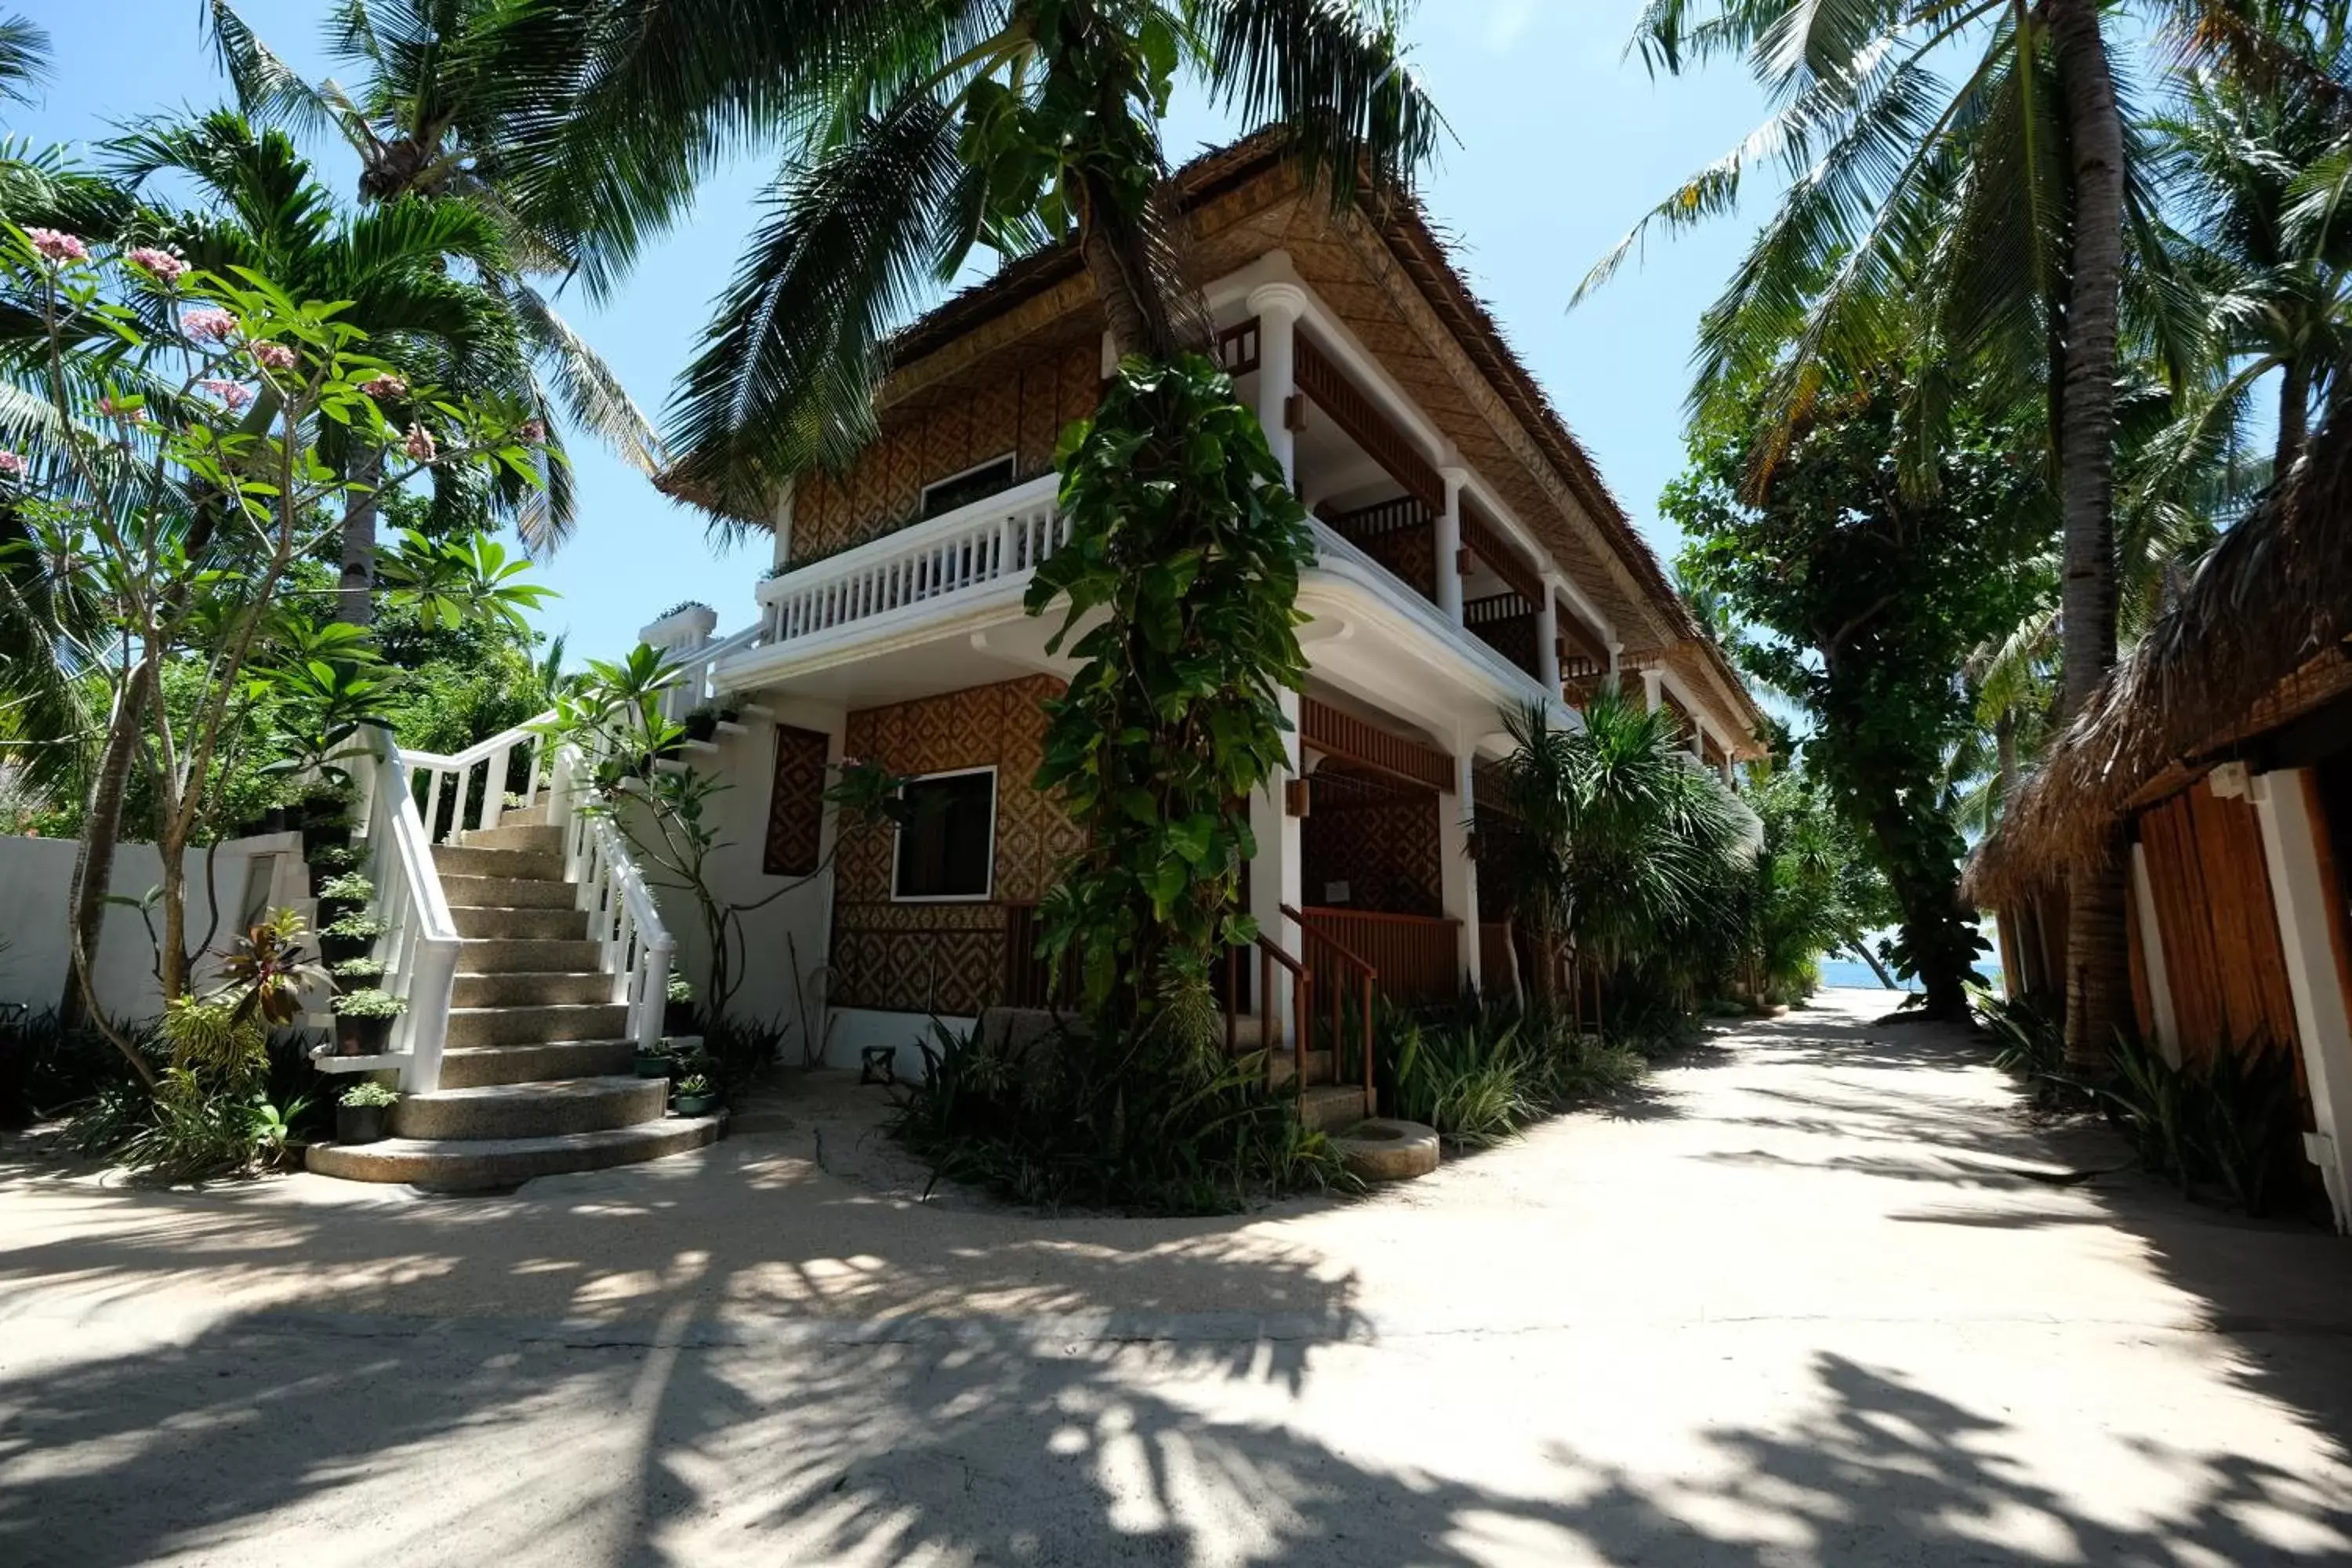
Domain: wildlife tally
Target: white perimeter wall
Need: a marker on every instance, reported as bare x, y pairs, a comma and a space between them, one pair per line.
247, 877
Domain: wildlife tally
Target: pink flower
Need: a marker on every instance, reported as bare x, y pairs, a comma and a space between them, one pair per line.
236, 395
532, 431
54, 245
207, 323
113, 410
12, 464
273, 356
162, 265
419, 444
384, 385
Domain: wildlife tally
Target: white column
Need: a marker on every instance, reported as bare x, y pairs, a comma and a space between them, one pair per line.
1449, 544
2151, 957
678, 636
785, 501
1277, 307
1654, 689
1275, 875
1547, 638
2283, 804
1457, 873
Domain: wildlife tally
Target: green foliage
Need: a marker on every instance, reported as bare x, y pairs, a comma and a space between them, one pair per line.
1054, 1124
360, 1095
1187, 549
357, 968
2029, 1037
1616, 849
695, 1085
1481, 1073
1866, 597
265, 970
2229, 1120
367, 1002
352, 887
355, 927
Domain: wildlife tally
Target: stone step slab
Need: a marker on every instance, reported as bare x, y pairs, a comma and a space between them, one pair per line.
530, 1109
508, 893
512, 955
527, 989
440, 1165
510, 835
474, 1067
1329, 1107
472, 860
536, 925
536, 1026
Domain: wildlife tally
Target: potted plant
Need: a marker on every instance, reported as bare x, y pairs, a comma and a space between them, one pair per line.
326, 860
347, 891
352, 974
364, 1021
695, 1096
360, 1113
349, 936
659, 1062
702, 723
327, 816
678, 1006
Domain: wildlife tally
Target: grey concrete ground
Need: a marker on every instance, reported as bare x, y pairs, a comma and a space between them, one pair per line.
1810, 1299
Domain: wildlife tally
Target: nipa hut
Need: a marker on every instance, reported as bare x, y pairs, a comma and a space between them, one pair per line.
2223, 746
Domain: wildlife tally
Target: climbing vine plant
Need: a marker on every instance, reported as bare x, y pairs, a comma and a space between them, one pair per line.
1179, 584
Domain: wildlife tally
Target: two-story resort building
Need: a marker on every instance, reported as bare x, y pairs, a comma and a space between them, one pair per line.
1470, 561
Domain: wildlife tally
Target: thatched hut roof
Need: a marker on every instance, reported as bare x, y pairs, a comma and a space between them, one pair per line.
2259, 637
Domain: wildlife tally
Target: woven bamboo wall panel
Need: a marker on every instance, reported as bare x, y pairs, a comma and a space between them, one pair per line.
1022, 412
1379, 839
886, 949
796, 804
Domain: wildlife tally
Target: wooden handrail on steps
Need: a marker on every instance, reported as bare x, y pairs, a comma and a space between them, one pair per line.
1270, 953
1366, 978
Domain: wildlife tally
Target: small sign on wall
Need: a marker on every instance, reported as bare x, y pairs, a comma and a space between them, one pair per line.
1335, 892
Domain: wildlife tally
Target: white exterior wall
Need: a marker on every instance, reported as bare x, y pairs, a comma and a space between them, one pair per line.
247, 875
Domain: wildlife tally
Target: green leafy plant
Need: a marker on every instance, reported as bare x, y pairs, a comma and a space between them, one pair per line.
360, 1095
351, 887
267, 969
369, 1002
332, 856
358, 926
2228, 1119
682, 990
356, 969
694, 1087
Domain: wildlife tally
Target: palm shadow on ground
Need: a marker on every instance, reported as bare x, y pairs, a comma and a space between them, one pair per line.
860, 1384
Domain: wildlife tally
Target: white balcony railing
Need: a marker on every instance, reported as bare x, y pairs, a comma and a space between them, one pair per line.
933, 564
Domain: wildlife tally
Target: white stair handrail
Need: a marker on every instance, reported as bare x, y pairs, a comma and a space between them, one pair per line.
633, 944
454, 776
419, 946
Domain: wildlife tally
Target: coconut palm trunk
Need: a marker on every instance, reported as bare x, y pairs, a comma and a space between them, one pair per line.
2096, 981
2294, 414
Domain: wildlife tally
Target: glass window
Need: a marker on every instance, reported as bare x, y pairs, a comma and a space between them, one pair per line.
946, 847
962, 489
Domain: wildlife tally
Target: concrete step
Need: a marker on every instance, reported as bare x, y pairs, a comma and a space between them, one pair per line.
522, 955
488, 1111
472, 860
1329, 1107
528, 816
472, 1066
469, 1167
526, 989
528, 838
508, 893
537, 925
1285, 1064
534, 1025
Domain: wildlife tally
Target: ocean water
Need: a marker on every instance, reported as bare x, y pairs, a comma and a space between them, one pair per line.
1844, 973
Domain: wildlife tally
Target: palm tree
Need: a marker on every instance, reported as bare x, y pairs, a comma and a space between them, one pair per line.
2006, 198
471, 101
1619, 845
913, 130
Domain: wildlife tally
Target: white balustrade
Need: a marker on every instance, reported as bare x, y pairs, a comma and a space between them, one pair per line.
987, 543
698, 664
474, 782
419, 946
632, 945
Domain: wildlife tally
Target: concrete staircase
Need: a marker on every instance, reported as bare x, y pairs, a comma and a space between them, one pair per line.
536, 1076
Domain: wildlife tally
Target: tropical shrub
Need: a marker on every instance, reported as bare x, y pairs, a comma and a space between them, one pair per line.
360, 1095
369, 1002
1033, 1125
2228, 1119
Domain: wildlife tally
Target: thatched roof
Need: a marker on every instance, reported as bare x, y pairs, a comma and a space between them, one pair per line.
2259, 637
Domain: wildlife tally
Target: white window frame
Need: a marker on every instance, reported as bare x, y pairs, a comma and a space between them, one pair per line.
1010, 455
898, 841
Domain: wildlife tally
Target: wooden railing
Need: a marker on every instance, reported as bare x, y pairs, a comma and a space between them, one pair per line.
1418, 957
1323, 381
1350, 974
1270, 956
1237, 348
1344, 735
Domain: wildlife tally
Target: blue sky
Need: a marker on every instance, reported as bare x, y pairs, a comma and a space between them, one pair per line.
1562, 144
